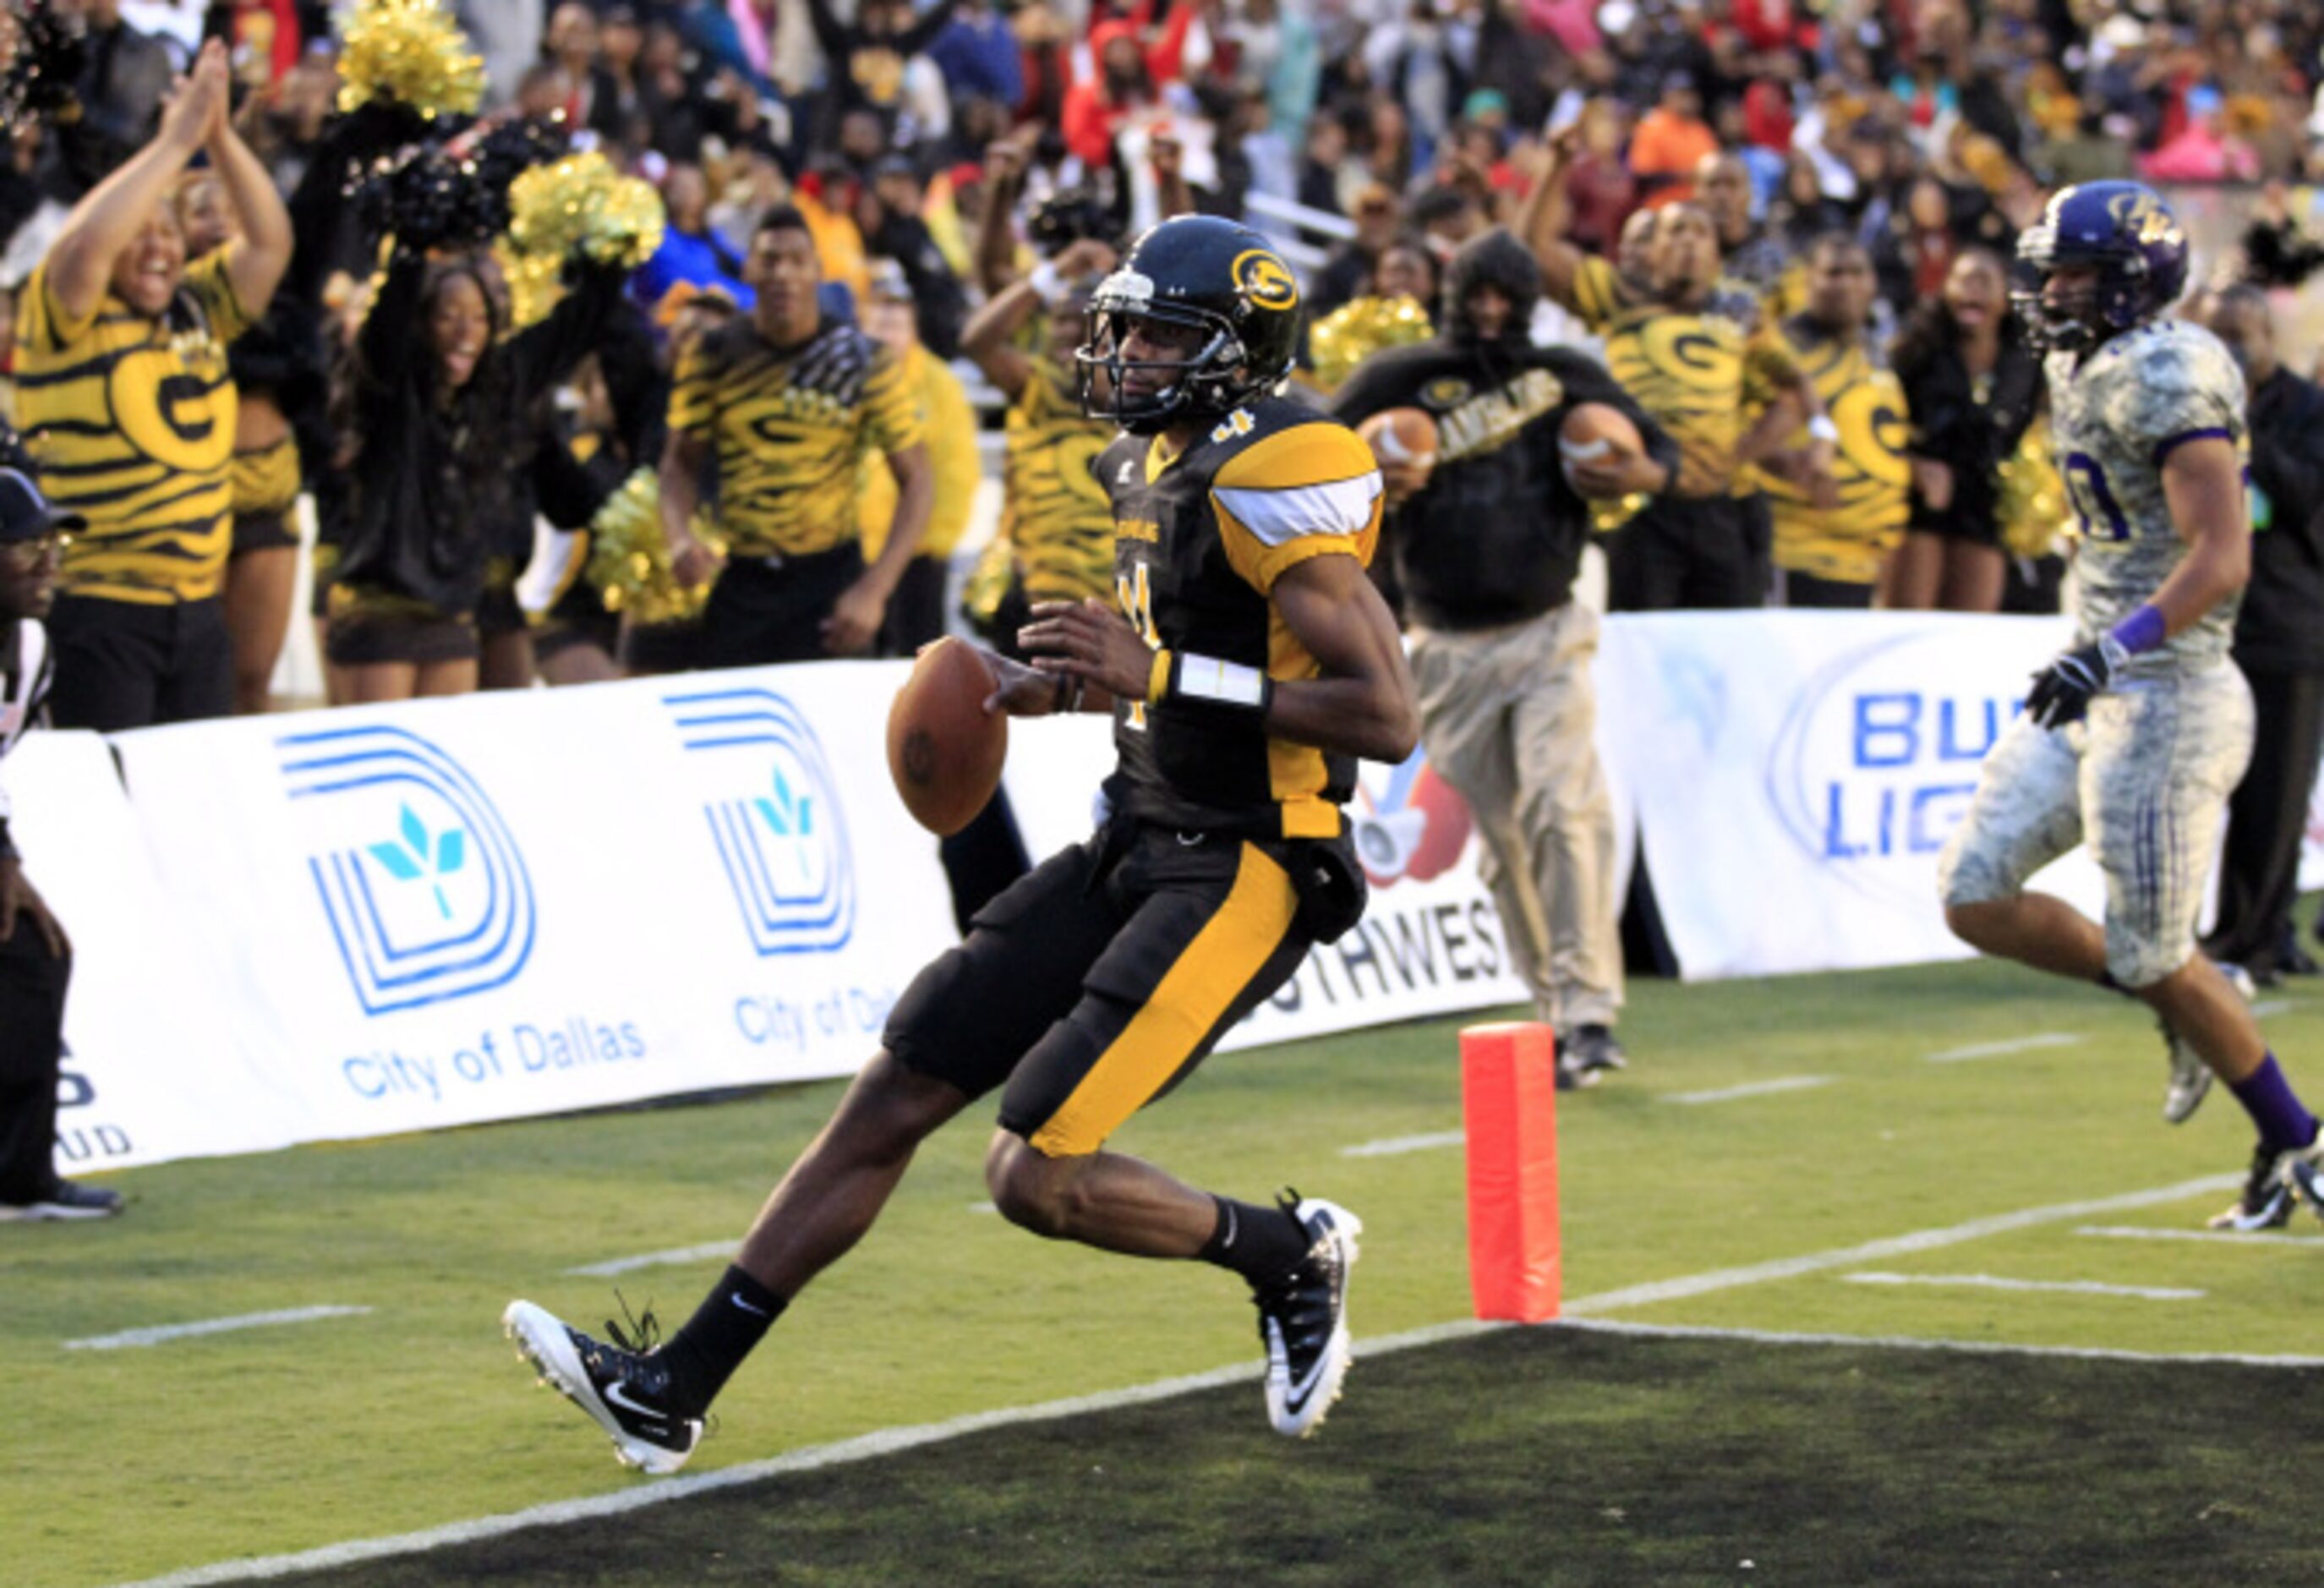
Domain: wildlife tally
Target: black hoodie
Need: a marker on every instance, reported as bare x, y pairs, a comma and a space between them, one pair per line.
1495, 538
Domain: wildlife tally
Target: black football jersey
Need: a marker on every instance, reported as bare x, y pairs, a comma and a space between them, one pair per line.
1200, 539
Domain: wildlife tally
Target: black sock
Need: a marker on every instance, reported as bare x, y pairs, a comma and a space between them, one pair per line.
1260, 1243
731, 1321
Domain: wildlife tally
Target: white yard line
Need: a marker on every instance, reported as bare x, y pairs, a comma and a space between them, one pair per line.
653, 1259
888, 1441
250, 1320
1756, 1089
2268, 1006
2062, 1286
1791, 1268
2214, 1237
1902, 1342
2015, 1045
1393, 1145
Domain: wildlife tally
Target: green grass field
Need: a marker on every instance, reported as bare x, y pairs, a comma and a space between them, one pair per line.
1617, 1458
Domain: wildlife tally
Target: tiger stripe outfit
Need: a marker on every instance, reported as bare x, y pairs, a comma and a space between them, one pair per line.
787, 426
1105, 975
1055, 540
1846, 543
1700, 375
134, 420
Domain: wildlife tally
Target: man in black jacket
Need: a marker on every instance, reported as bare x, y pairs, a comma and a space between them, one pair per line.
2280, 646
1486, 547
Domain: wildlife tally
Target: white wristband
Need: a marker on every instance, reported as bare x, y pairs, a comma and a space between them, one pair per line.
1218, 682
1047, 285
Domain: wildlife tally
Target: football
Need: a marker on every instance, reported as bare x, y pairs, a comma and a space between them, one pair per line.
944, 751
1595, 431
1402, 438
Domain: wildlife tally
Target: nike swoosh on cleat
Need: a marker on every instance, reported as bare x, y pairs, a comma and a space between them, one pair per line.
612, 1394
1297, 1394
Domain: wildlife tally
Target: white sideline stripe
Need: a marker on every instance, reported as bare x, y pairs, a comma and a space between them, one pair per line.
1756, 1089
888, 1441
984, 1207
1392, 1145
1791, 1267
653, 1259
659, 1491
2015, 1045
2063, 1286
2267, 1006
2215, 1237
249, 1320
1906, 1343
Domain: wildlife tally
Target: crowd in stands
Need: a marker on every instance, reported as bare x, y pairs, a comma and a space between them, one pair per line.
1850, 174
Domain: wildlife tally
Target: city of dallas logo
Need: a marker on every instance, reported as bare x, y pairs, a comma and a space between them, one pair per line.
775, 819
422, 882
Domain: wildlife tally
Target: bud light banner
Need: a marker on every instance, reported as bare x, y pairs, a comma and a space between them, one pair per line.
1796, 774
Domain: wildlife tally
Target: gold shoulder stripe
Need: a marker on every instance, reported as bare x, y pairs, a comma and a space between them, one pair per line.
1316, 454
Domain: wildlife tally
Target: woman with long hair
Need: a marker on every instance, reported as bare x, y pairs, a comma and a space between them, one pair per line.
432, 396
1975, 387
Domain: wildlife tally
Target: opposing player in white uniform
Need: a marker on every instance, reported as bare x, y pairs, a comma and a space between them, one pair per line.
2135, 737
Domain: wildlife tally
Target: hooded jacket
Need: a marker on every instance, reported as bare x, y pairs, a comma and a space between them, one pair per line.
1496, 537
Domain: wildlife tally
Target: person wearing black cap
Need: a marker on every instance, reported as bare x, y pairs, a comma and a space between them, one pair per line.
1487, 543
35, 955
2279, 645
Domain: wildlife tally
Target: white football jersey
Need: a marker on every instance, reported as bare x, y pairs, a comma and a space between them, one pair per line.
2114, 417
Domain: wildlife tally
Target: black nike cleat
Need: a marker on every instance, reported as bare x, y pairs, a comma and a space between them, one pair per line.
623, 1386
1302, 1319
2266, 1200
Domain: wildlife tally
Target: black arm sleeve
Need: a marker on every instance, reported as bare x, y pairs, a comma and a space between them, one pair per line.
832, 34
923, 33
389, 334
542, 354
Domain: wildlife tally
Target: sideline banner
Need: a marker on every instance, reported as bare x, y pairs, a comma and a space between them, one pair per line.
451, 911
1796, 774
439, 912
156, 1062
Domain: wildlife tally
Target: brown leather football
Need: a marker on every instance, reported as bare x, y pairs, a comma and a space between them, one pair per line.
944, 751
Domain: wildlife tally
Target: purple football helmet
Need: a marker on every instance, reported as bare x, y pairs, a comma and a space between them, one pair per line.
2123, 230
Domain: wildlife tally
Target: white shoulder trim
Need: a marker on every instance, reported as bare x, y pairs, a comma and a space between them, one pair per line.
1274, 517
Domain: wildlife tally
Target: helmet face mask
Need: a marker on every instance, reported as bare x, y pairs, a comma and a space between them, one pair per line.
2125, 238
1145, 395
1213, 292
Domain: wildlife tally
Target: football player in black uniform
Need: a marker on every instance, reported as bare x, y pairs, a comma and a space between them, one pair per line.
1247, 664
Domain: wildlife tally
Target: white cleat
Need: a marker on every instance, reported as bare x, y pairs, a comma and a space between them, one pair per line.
626, 1392
1302, 1320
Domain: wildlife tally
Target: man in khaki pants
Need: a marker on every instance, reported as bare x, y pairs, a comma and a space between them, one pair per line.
1487, 542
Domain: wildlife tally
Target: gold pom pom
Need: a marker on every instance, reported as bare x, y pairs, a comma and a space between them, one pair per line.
2030, 509
1349, 335
629, 556
536, 283
412, 51
582, 202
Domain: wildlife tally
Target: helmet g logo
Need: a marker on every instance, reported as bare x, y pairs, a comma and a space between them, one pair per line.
1262, 279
